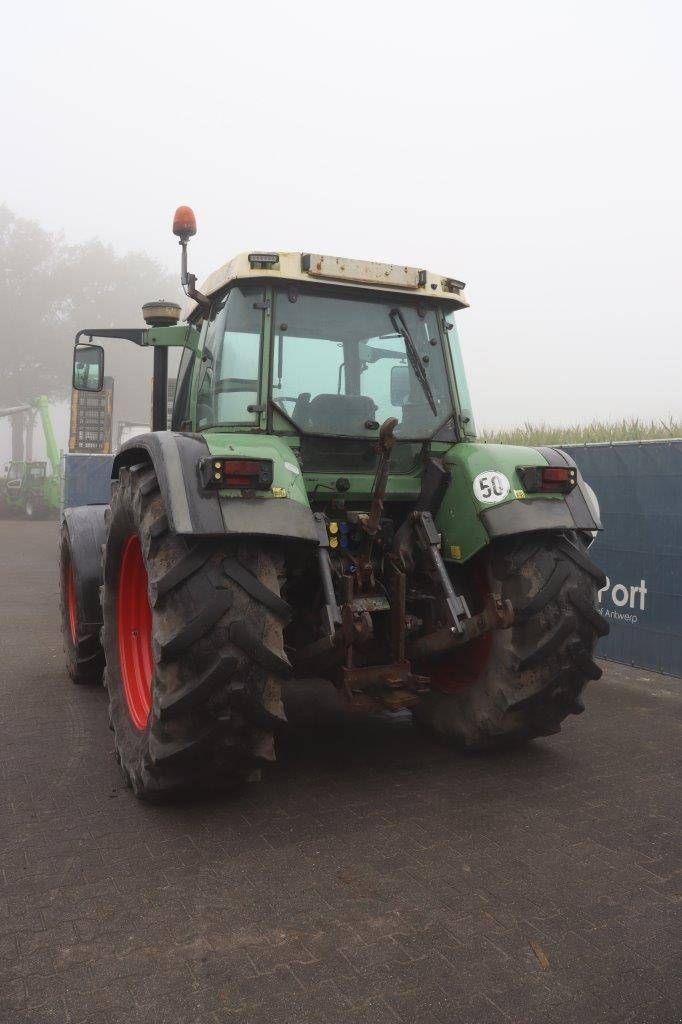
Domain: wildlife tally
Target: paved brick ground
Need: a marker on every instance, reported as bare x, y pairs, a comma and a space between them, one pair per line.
373, 876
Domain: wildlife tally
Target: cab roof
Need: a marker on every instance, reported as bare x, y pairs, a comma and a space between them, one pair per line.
336, 270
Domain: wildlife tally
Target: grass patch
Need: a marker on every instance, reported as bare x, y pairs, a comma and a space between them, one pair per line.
633, 429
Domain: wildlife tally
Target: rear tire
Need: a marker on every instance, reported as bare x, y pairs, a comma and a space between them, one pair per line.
535, 672
215, 620
82, 646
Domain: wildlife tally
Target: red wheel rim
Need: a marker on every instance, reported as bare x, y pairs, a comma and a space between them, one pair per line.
71, 606
135, 632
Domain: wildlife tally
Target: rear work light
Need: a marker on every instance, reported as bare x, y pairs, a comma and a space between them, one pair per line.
264, 260
237, 474
559, 479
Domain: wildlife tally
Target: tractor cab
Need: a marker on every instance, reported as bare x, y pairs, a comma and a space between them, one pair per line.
297, 343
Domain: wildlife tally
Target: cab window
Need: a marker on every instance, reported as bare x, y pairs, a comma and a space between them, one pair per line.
229, 378
182, 417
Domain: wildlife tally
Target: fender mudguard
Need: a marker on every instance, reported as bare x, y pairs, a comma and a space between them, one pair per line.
579, 509
469, 524
582, 501
86, 530
193, 510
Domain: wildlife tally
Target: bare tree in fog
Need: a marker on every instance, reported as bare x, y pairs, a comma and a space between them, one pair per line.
49, 289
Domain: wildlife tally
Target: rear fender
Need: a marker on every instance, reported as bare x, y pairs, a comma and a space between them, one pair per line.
191, 509
468, 524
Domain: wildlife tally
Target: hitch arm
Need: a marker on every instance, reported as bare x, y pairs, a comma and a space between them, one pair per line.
386, 441
428, 540
495, 615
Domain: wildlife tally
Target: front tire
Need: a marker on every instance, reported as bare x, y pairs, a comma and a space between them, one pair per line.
81, 641
193, 644
532, 675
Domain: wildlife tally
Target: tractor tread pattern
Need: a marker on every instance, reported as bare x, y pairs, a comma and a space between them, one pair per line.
192, 630
546, 594
85, 657
549, 645
169, 750
197, 689
538, 668
241, 574
590, 613
192, 560
245, 638
583, 561
158, 526
214, 700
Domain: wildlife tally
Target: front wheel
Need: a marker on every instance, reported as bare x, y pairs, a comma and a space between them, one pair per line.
193, 645
81, 640
519, 683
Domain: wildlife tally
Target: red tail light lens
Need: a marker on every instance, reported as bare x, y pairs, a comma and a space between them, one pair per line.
553, 479
241, 472
557, 475
236, 474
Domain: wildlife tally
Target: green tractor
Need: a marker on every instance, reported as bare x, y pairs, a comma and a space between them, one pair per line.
320, 509
27, 488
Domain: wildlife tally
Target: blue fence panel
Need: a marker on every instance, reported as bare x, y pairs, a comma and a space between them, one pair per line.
639, 486
86, 480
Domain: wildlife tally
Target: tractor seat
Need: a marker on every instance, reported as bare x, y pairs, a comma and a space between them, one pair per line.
340, 414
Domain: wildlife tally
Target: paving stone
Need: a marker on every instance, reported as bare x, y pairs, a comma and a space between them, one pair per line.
374, 876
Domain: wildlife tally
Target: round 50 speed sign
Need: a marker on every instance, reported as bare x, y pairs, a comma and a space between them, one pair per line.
491, 486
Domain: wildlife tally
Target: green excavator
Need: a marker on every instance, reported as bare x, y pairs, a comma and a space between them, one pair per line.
30, 488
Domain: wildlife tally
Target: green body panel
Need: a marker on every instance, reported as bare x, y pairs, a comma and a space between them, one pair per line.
459, 517
401, 486
287, 481
458, 520
180, 336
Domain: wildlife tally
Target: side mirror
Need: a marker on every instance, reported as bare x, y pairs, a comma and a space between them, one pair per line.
400, 385
88, 367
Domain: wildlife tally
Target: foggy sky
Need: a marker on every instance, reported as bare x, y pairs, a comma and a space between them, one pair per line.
529, 149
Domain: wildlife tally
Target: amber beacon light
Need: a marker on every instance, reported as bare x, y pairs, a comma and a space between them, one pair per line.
184, 222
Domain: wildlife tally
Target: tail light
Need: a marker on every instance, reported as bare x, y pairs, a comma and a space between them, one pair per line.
236, 474
556, 479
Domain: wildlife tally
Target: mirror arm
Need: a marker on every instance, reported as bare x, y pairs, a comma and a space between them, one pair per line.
134, 334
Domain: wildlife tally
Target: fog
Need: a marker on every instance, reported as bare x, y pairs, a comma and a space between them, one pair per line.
532, 150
